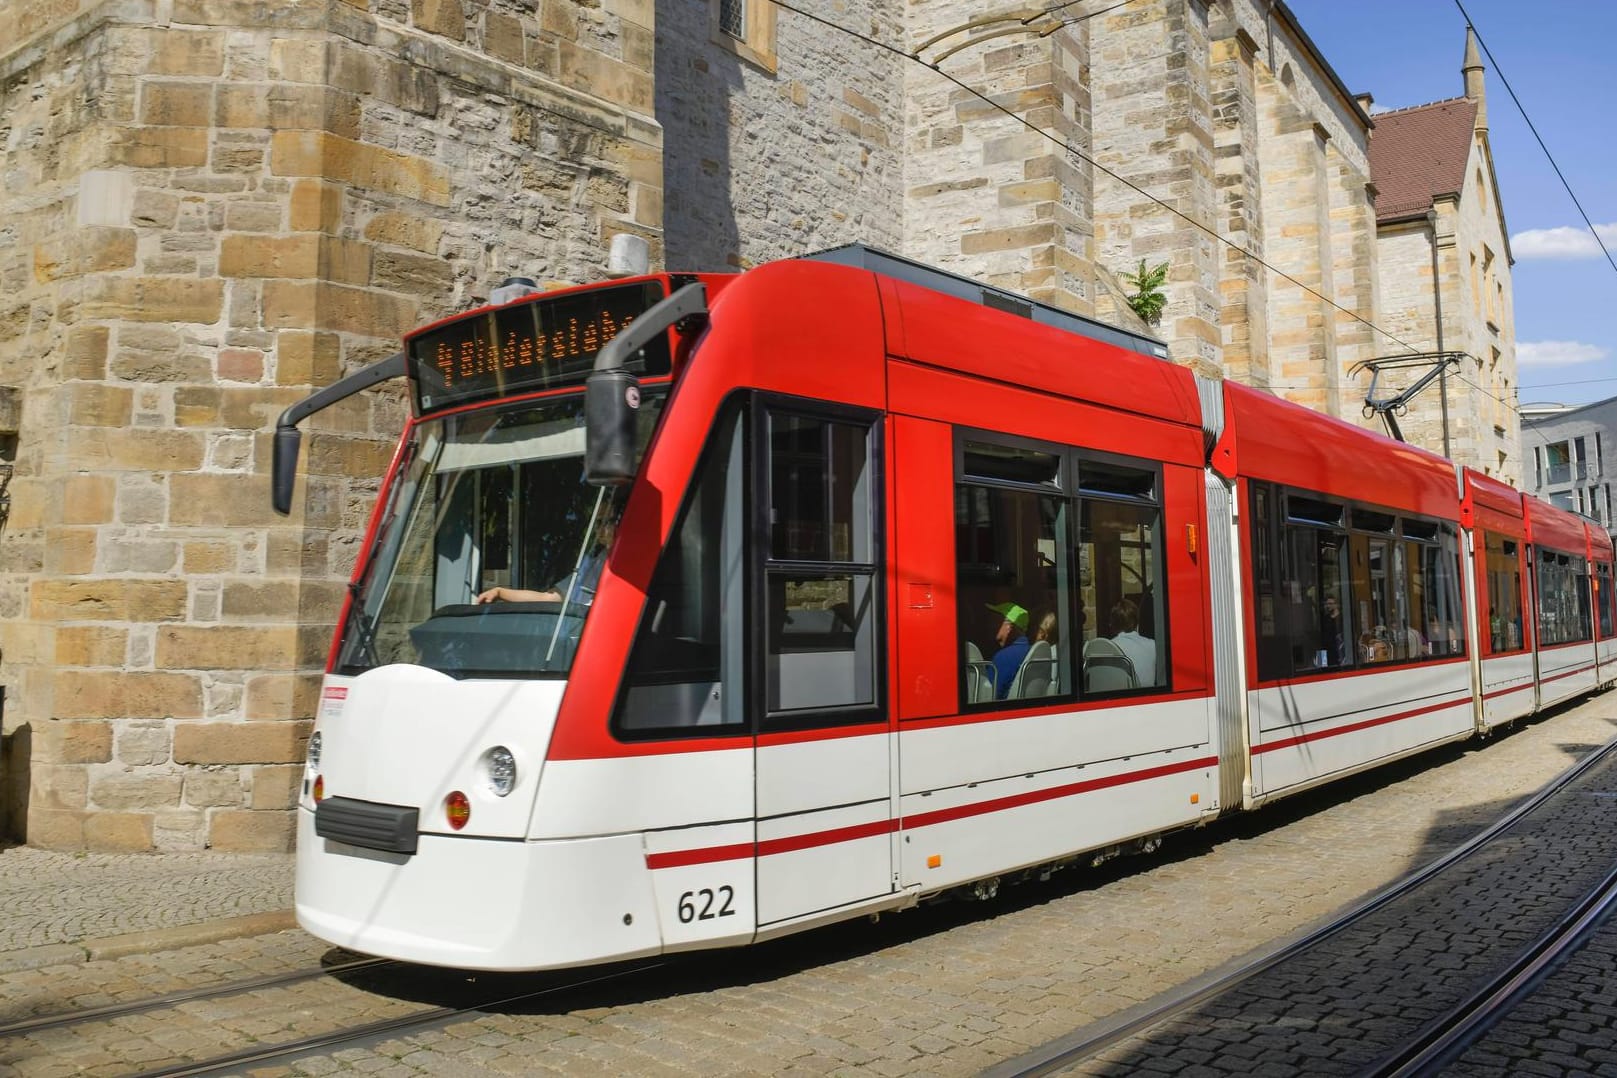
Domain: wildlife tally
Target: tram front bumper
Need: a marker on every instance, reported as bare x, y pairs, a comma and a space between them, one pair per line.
479, 903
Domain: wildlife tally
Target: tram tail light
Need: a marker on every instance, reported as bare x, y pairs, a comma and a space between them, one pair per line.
319, 788
457, 810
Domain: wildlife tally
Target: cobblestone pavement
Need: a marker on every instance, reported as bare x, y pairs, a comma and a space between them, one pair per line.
53, 904
1568, 1026
945, 990
1351, 1000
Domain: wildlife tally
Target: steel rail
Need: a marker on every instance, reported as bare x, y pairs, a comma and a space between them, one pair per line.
141, 1006
1447, 1038
1081, 1044
369, 1031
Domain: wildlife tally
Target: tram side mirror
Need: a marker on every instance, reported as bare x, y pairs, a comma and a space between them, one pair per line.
611, 402
284, 467
612, 394
284, 458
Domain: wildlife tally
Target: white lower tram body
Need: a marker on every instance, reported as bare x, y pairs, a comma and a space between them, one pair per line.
588, 861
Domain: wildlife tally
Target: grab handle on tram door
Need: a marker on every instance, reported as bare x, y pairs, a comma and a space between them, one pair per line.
612, 392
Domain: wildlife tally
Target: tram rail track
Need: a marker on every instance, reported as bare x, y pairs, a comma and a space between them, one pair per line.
1467, 1023
1437, 1042
61, 1019
371, 1032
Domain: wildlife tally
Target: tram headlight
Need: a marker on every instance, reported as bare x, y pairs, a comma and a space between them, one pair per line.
500, 770
315, 743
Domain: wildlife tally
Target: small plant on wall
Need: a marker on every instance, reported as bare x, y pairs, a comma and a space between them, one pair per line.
1148, 299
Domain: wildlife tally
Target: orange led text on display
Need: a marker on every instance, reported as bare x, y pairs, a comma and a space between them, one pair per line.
479, 356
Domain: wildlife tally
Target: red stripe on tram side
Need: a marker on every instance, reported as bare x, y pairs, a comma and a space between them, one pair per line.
1496, 694
1033, 797
1336, 731
681, 858
1567, 673
826, 838
708, 855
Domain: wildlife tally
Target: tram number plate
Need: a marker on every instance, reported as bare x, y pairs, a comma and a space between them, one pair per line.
706, 904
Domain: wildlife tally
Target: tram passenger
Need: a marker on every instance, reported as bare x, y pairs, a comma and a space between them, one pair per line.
1013, 645
1442, 637
1374, 647
1407, 642
1331, 632
1141, 650
578, 586
1045, 629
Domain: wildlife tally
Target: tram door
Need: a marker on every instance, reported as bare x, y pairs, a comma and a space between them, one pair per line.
822, 769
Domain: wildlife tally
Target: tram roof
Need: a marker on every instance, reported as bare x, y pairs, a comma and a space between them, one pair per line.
999, 299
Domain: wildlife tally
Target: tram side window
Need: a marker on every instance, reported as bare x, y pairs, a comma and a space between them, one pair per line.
1379, 587
1504, 574
1046, 608
1603, 598
1121, 598
819, 570
1014, 584
1442, 615
683, 670
1563, 588
1354, 586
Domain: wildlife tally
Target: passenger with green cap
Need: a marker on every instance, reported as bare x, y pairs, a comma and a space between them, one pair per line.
1013, 645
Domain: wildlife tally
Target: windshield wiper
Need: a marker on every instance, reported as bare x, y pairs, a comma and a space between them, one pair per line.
362, 627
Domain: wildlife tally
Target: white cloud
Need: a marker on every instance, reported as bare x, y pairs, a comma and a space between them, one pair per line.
1563, 242
1556, 353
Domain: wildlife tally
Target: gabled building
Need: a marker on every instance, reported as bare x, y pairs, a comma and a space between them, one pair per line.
1444, 259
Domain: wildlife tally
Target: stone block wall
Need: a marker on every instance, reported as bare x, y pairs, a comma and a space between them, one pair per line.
991, 188
1151, 83
209, 208
764, 164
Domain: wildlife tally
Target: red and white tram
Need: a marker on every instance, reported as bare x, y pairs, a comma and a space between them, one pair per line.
855, 582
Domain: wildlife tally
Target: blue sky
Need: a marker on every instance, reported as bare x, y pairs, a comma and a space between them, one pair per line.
1558, 57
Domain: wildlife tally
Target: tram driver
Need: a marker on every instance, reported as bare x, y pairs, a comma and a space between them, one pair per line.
577, 586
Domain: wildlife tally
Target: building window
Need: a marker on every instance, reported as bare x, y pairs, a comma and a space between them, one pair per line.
1488, 285
1558, 464
746, 28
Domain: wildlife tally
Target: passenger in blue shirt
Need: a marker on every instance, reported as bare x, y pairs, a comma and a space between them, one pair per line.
1013, 645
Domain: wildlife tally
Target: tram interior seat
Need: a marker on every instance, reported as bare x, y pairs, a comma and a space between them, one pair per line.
1106, 668
979, 676
1037, 674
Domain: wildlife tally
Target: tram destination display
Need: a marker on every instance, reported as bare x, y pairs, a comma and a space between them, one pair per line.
532, 344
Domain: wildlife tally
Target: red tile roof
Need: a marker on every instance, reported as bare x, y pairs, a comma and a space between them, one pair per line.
1419, 153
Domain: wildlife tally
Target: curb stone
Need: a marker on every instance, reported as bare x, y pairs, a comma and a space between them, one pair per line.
161, 939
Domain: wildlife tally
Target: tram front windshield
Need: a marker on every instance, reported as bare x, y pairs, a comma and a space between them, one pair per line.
493, 505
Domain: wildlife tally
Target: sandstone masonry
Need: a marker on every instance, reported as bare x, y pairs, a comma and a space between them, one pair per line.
208, 208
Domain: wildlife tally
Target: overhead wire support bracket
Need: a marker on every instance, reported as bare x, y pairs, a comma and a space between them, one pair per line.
1389, 408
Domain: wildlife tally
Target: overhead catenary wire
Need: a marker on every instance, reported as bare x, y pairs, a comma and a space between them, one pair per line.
787, 5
